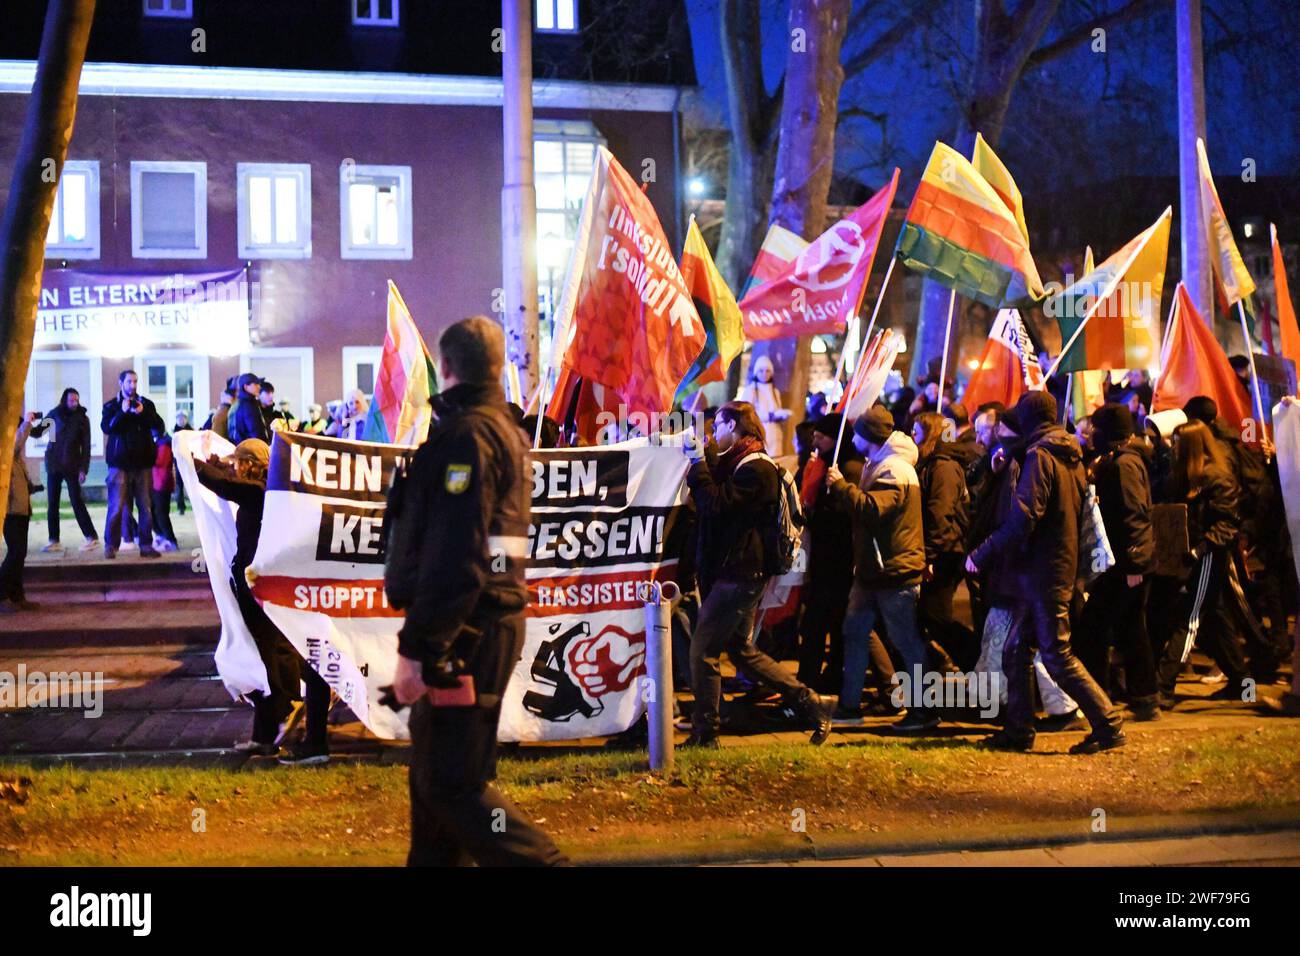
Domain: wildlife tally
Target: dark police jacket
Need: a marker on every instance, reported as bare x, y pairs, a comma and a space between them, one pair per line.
467, 496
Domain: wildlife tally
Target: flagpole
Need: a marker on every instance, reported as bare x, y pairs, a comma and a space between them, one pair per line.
844, 418
1164, 345
1069, 391
947, 339
541, 407
1250, 354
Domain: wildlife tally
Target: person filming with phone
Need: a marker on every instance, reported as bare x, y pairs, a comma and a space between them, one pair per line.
129, 421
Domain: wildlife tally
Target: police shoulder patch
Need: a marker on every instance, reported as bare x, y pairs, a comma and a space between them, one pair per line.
457, 479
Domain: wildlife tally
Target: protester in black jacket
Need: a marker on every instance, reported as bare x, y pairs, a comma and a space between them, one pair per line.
129, 421
67, 460
735, 488
246, 419
1116, 612
1041, 543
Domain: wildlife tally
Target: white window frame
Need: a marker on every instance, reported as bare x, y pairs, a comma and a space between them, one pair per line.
349, 174
167, 13
560, 131
306, 357
554, 6
202, 381
91, 247
200, 173
35, 447
375, 20
272, 250
353, 355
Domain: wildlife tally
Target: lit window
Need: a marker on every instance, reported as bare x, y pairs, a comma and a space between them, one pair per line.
274, 210
169, 210
375, 13
173, 9
376, 211
557, 16
74, 221
564, 154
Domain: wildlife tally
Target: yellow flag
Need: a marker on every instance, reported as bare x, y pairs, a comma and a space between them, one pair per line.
988, 165
1229, 271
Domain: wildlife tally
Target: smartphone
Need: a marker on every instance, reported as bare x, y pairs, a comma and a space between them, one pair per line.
463, 695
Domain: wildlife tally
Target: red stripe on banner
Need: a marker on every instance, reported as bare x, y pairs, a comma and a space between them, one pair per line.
339, 597
585, 593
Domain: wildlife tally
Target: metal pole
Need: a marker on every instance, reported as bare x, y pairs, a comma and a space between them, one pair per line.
518, 191
659, 599
1250, 354
1194, 231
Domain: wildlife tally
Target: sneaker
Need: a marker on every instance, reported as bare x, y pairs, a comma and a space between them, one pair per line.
684, 723
151, 553
1095, 742
1006, 741
846, 716
255, 749
52, 548
917, 721
304, 755
1215, 676
702, 742
1288, 705
109, 554
90, 544
1058, 723
166, 545
127, 546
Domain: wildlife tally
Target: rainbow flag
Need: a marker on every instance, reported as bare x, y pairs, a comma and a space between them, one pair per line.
1231, 280
723, 326
962, 234
1118, 305
996, 174
401, 411
780, 248
1087, 393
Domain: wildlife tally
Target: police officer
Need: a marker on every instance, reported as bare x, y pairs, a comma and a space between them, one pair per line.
458, 570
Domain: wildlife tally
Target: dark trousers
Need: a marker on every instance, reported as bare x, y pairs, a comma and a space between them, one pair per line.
457, 816
318, 708
283, 673
162, 516
11, 570
54, 481
726, 623
1116, 616
1044, 625
1207, 616
934, 613
821, 666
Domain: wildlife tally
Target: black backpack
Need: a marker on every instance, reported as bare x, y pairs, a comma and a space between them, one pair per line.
782, 529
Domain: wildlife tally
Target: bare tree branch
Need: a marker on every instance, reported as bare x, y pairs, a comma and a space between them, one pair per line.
1084, 31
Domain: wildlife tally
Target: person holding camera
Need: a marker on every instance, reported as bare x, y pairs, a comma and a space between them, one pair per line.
457, 545
128, 422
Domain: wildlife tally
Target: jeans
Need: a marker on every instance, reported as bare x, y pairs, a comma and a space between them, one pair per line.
162, 517
1044, 625
54, 484
11, 571
896, 609
726, 623
125, 485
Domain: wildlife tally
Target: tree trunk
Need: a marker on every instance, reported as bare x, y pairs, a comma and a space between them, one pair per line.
805, 159
51, 110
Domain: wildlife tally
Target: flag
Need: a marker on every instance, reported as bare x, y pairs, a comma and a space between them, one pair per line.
400, 411
724, 331
1286, 320
626, 319
869, 378
1231, 280
962, 234
1008, 367
1087, 392
1121, 332
824, 284
988, 165
780, 248
1193, 363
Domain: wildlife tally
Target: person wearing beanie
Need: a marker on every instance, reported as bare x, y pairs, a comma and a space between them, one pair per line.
1116, 612
1039, 544
889, 560
830, 575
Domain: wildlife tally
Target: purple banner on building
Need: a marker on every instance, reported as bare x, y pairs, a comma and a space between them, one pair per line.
125, 313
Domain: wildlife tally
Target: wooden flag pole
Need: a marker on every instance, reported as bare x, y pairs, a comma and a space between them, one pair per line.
875, 310
947, 339
1250, 355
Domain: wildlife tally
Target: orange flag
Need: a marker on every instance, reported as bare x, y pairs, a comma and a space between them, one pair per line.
1008, 368
1285, 310
1195, 364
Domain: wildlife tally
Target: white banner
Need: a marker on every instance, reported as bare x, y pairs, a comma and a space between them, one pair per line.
1286, 436
603, 522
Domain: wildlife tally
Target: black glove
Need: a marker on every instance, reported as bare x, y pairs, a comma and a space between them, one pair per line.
444, 670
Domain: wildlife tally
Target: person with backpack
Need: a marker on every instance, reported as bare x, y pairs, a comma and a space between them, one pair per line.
747, 508
888, 562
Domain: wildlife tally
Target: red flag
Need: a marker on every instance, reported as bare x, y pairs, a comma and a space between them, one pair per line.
1194, 364
1008, 367
626, 320
871, 374
1290, 344
824, 284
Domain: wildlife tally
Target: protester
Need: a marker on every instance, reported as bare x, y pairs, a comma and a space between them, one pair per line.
1040, 543
246, 419
467, 494
67, 460
760, 392
889, 561
316, 422
350, 418
737, 492
1116, 612
164, 484
18, 518
129, 421
182, 425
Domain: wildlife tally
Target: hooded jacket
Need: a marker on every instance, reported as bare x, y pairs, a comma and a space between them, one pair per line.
888, 540
945, 502
1039, 539
1123, 482
68, 452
